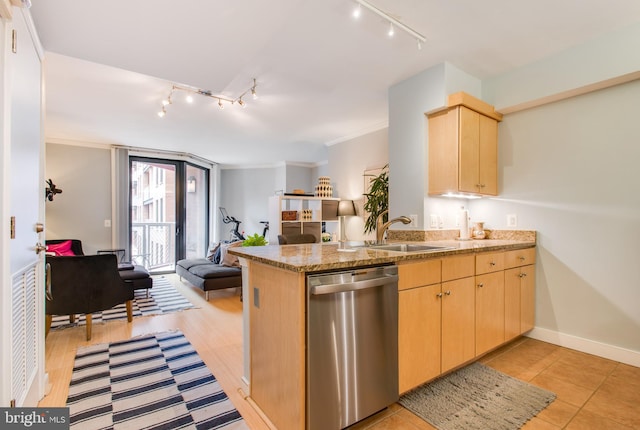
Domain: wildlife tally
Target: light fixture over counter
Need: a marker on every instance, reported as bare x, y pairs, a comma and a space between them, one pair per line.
207, 93
420, 39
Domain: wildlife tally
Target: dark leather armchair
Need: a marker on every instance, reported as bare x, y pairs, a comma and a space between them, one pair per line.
84, 284
291, 239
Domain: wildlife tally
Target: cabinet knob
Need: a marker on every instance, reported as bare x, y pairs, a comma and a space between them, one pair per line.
522, 275
439, 295
493, 263
448, 292
522, 258
480, 285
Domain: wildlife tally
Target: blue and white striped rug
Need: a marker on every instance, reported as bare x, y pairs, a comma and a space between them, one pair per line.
149, 382
163, 298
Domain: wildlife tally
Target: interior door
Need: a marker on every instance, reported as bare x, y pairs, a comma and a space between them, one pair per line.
23, 362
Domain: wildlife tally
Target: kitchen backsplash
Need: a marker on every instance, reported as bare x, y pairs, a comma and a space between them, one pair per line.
428, 235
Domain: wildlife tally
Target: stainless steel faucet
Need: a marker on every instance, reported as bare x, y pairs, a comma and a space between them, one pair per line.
381, 228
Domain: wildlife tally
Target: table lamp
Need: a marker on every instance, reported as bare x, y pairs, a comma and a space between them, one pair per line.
345, 208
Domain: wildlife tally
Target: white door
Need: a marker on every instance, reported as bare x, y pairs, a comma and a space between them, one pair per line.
22, 329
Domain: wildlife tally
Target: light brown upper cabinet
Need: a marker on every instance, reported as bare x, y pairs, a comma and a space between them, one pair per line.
463, 147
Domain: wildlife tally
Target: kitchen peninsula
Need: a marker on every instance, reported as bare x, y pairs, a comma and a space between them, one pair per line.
274, 287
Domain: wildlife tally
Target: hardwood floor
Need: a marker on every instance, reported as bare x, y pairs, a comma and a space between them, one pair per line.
593, 392
214, 329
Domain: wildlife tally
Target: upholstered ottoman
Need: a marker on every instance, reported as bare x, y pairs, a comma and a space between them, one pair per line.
135, 275
208, 276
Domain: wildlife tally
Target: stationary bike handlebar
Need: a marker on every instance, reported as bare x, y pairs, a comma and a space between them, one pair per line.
227, 219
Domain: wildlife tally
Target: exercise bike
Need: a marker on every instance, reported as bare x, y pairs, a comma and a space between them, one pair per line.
234, 234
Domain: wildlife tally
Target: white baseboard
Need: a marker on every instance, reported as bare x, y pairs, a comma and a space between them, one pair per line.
604, 350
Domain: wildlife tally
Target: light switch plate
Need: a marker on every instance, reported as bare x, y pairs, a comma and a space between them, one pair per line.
433, 221
414, 220
512, 220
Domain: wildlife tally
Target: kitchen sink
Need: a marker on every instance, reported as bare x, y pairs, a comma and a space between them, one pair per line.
409, 247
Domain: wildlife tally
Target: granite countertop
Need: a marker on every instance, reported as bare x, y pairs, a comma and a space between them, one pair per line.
323, 257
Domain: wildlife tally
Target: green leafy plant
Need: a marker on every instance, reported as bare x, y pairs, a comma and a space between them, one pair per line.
376, 199
255, 240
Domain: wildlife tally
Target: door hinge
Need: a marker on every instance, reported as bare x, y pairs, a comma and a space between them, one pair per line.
14, 41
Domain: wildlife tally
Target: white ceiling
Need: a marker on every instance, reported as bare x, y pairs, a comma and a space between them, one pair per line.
322, 76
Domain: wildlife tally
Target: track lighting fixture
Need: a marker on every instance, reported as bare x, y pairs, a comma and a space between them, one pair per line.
393, 22
221, 99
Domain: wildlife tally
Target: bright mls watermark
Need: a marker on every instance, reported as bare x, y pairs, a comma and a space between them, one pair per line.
34, 418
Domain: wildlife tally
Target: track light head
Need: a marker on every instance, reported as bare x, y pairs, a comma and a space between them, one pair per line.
241, 103
189, 98
391, 32
357, 11
220, 105
162, 113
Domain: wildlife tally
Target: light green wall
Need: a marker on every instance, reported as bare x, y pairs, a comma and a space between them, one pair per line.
567, 169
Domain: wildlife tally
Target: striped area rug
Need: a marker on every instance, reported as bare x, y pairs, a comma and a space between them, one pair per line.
149, 382
163, 298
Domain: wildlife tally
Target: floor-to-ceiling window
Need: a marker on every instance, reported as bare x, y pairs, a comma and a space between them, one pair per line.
169, 212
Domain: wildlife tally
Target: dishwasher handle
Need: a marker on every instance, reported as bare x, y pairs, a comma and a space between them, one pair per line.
353, 286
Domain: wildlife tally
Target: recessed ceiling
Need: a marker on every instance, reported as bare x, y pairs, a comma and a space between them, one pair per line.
322, 76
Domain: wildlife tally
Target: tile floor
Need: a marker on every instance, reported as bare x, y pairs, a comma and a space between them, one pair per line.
592, 392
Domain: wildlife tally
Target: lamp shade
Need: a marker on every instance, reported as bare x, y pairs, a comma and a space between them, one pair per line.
346, 208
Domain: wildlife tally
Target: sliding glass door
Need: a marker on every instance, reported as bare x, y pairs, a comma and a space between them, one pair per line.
169, 212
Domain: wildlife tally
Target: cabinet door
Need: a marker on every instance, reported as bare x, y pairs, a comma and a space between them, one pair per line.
512, 306
489, 311
443, 152
527, 298
469, 168
458, 322
418, 336
488, 155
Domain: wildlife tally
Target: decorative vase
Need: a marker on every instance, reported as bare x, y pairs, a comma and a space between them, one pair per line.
478, 231
324, 187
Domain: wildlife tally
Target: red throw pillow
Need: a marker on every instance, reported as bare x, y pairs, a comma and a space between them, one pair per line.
60, 249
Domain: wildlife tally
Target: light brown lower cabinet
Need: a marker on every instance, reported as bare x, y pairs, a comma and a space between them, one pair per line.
454, 309
519, 292
489, 311
436, 321
458, 330
418, 336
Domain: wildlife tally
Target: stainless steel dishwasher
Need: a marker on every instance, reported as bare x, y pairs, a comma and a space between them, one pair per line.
352, 345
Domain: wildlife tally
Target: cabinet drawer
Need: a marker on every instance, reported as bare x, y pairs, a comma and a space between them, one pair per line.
458, 267
519, 257
413, 275
489, 262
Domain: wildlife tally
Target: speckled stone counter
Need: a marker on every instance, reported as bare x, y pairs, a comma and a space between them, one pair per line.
324, 257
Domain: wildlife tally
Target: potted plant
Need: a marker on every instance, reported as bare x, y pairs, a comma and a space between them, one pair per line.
376, 198
255, 240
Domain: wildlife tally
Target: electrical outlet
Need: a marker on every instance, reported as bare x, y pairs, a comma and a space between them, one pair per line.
414, 220
433, 221
512, 220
